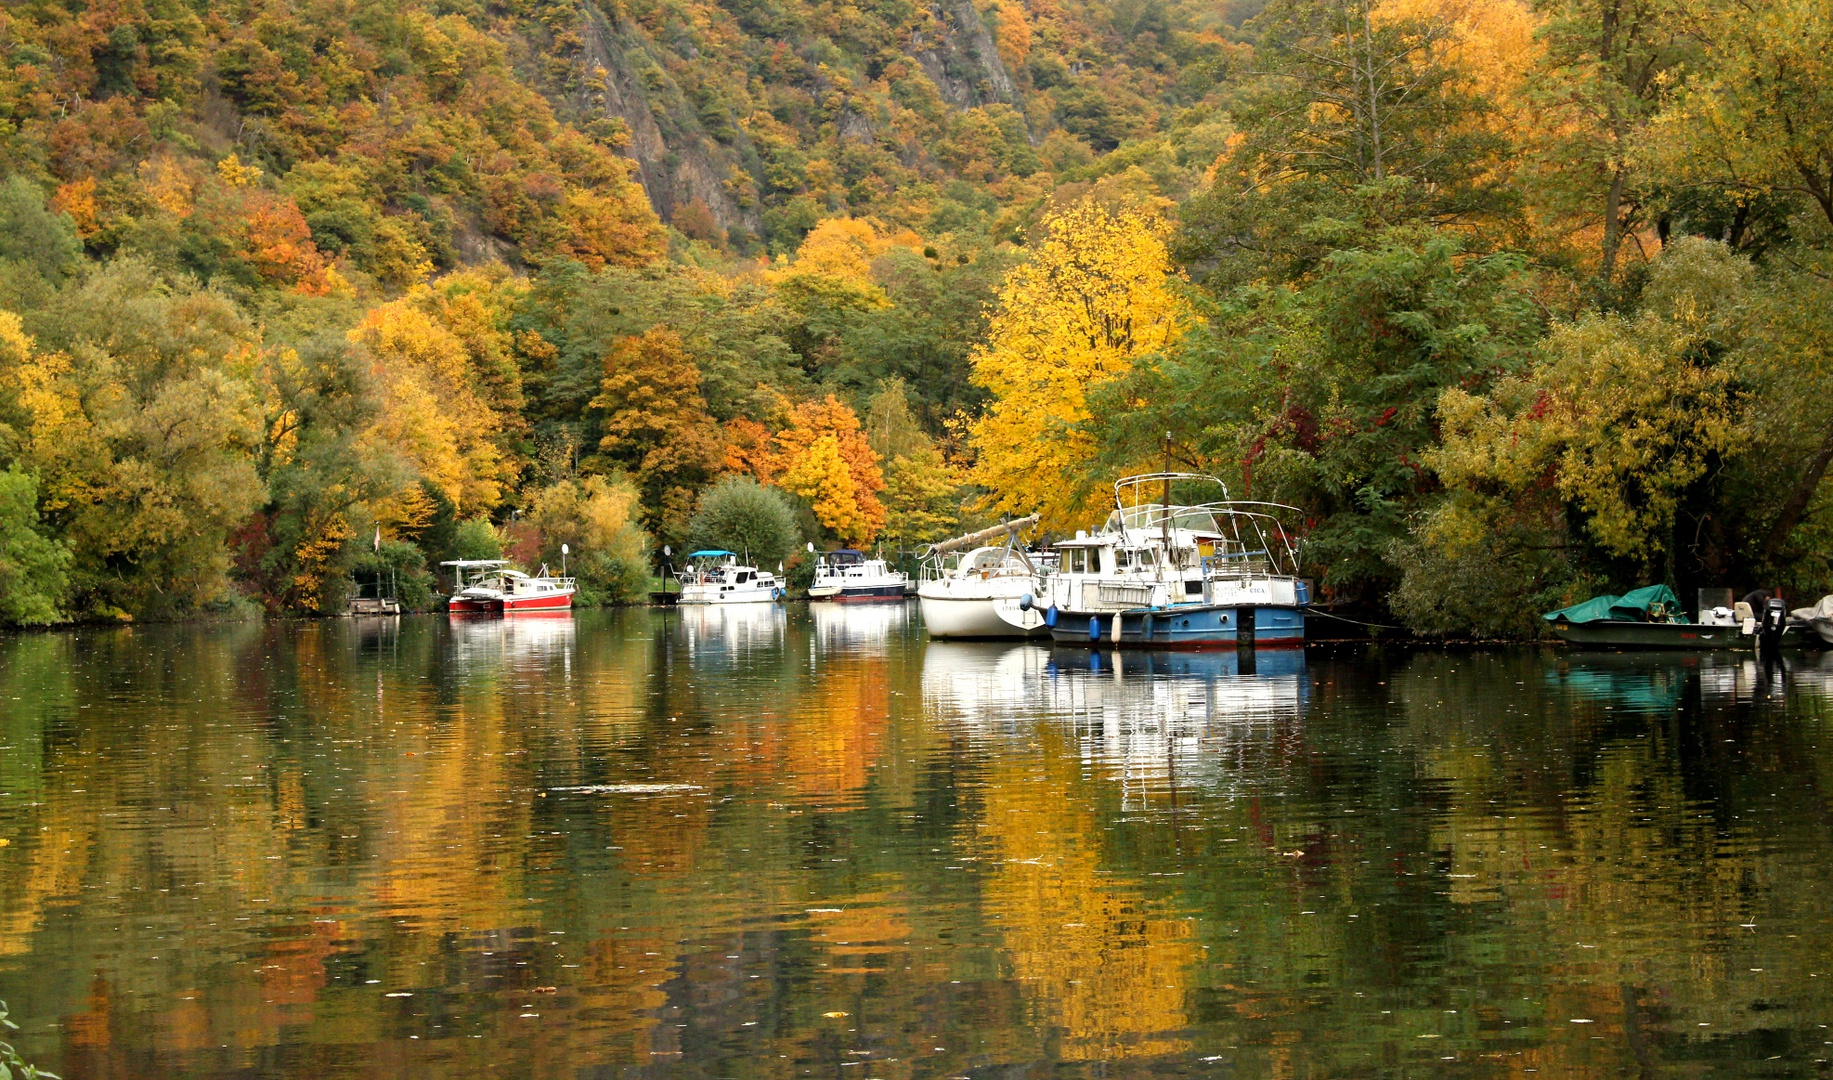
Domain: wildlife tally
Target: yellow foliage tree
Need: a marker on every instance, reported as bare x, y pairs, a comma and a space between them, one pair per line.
833, 266
820, 476
1098, 292
432, 411
812, 421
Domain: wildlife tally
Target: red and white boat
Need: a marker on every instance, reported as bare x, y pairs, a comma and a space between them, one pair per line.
491, 587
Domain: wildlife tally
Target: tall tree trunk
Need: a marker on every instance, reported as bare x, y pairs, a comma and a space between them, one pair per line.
1613, 224
1613, 198
1374, 100
1798, 499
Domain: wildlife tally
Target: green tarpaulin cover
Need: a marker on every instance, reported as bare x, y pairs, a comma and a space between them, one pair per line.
1651, 603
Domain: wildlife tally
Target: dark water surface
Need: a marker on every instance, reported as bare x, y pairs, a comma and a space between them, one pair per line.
786, 842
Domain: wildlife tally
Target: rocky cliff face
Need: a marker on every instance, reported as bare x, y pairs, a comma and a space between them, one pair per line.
963, 60
678, 163
694, 153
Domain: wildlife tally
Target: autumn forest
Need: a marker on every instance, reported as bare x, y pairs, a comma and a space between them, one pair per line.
1515, 300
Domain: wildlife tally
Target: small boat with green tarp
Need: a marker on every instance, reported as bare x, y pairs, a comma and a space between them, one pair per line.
1645, 618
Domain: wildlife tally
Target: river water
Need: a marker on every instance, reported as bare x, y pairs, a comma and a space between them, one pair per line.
790, 842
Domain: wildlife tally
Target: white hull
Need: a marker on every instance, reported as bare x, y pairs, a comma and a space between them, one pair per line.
723, 594
979, 616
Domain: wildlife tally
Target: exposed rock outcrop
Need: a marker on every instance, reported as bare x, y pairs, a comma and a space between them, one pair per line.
965, 63
678, 164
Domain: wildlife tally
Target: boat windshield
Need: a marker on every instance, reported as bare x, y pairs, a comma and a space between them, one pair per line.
1149, 516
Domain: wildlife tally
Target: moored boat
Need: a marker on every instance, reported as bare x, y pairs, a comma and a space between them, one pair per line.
492, 587
970, 588
716, 577
530, 594
849, 575
1212, 574
1816, 620
1647, 618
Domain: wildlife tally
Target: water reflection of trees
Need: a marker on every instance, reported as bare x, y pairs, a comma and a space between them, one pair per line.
1011, 852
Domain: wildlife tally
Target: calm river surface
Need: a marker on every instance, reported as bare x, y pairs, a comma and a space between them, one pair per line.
792, 842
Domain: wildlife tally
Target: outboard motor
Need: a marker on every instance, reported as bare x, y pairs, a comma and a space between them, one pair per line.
1775, 620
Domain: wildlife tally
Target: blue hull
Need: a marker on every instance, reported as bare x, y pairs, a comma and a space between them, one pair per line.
1207, 665
1193, 626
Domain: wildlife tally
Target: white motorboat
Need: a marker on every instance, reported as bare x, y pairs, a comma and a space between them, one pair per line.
848, 575
716, 577
982, 592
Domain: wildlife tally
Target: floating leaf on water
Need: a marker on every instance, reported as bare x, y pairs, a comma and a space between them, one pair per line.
834, 1015
629, 789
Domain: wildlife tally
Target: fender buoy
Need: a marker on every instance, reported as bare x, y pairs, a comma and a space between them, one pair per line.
1050, 616
1024, 602
1094, 628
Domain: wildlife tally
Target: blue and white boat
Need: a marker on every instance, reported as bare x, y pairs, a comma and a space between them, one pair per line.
1193, 575
849, 575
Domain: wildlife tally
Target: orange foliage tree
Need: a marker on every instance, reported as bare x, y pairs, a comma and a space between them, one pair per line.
656, 424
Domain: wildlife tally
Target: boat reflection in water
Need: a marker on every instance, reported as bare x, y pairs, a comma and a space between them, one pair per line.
1811, 673
731, 631
864, 629
987, 686
1155, 721
1222, 722
1659, 681
516, 640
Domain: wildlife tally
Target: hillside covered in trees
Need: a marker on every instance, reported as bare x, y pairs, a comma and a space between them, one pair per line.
1514, 298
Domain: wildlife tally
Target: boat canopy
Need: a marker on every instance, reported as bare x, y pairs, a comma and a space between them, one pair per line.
1651, 603
845, 555
710, 554
472, 564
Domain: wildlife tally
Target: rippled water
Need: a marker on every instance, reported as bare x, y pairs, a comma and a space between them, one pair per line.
794, 842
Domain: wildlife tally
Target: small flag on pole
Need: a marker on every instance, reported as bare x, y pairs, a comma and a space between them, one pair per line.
378, 540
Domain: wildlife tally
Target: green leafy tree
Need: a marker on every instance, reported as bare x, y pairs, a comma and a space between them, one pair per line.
597, 518
739, 514
142, 424
476, 538
1606, 67
1324, 397
1607, 452
397, 565
34, 575
33, 236
1361, 124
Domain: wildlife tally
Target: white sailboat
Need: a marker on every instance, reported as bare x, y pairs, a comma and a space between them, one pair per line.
972, 589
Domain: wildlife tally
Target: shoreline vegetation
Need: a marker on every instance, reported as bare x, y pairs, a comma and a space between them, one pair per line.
1517, 301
